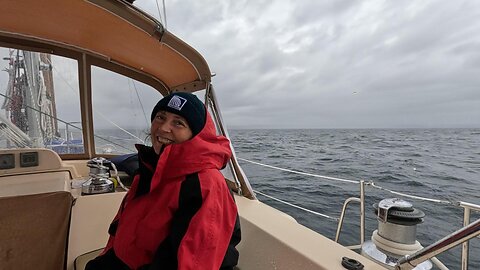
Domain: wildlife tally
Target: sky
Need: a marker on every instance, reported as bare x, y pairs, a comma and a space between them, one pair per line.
337, 63
309, 64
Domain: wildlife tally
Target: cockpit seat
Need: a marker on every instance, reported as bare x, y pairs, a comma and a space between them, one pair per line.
34, 230
82, 260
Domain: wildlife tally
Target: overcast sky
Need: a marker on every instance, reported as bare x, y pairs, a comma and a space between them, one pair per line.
311, 64
336, 63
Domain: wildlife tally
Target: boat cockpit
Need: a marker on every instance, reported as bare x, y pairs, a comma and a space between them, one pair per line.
74, 69
78, 78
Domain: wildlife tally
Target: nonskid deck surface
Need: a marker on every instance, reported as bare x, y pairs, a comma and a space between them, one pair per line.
273, 240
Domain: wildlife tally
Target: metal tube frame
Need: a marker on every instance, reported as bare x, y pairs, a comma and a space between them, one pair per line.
360, 200
409, 262
240, 176
218, 124
467, 207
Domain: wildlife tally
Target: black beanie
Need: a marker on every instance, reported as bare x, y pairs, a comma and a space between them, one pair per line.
186, 105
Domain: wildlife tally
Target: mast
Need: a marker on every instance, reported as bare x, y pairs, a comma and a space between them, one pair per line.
32, 91
49, 91
29, 99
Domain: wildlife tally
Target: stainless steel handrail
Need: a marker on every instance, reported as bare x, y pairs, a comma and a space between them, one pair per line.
464, 234
342, 216
239, 175
360, 200
466, 220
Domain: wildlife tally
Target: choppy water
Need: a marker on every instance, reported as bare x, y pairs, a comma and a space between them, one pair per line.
434, 163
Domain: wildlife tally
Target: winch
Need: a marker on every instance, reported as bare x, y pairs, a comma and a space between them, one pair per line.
99, 181
396, 233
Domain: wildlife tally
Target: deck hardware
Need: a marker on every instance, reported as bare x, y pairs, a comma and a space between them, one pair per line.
387, 204
396, 234
99, 181
351, 264
464, 234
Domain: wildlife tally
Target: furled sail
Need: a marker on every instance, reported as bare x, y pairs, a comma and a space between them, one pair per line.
29, 100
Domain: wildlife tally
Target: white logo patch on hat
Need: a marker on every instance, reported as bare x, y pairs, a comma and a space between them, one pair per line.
177, 103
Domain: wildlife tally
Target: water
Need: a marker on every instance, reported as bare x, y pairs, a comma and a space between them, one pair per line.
434, 163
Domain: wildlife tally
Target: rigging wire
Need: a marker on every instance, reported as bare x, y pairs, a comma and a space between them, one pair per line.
140, 101
79, 128
119, 127
160, 14
97, 112
60, 74
164, 13
298, 207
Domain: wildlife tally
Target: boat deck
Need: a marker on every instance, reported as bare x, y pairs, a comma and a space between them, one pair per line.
270, 239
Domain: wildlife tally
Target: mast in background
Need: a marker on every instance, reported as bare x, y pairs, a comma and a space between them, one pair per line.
29, 98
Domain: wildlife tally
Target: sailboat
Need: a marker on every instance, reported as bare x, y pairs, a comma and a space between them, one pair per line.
49, 220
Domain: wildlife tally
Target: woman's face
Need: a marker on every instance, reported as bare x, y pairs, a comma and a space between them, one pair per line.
168, 128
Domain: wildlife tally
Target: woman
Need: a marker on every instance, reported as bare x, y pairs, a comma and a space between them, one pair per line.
179, 212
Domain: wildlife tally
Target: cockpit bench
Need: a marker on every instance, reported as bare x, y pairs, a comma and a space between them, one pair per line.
34, 230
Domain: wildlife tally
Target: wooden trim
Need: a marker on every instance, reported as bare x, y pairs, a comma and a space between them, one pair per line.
133, 15
84, 70
128, 72
36, 45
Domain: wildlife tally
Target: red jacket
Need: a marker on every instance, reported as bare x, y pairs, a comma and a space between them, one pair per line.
177, 208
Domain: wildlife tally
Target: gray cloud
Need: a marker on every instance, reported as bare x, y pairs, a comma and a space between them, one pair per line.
330, 64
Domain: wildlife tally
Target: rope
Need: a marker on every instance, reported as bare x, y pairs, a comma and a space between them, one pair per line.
118, 177
302, 173
298, 207
413, 196
371, 183
10, 135
119, 127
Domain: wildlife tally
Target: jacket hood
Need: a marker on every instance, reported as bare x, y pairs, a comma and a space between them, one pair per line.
206, 150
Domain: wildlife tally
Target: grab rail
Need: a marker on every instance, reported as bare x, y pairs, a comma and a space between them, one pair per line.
466, 220
360, 200
464, 234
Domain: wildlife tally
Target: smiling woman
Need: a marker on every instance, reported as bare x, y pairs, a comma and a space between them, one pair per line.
113, 38
178, 198
179, 212
168, 128
176, 118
